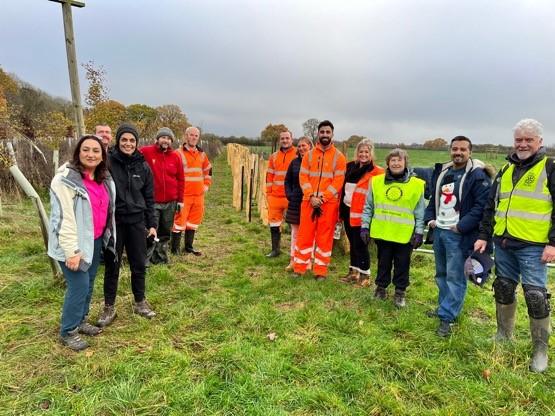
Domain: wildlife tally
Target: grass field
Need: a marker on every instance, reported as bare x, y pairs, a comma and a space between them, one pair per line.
337, 351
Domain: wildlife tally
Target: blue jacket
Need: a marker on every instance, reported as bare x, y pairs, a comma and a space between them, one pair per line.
293, 192
473, 195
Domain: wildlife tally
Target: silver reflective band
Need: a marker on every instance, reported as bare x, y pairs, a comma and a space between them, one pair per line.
355, 215
524, 215
279, 182
189, 170
394, 208
339, 172
304, 170
280, 172
392, 218
194, 179
269, 170
324, 174
306, 186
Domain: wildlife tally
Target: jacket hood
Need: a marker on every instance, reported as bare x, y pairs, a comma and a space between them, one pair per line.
513, 158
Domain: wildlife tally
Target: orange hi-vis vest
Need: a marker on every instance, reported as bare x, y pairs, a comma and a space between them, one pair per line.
277, 168
359, 196
197, 170
322, 173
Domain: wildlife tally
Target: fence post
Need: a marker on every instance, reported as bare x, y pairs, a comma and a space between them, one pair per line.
250, 193
242, 185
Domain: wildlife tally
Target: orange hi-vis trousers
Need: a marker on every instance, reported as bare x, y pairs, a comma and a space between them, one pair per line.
190, 217
277, 205
317, 234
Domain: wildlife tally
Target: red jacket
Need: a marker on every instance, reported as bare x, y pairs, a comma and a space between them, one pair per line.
167, 171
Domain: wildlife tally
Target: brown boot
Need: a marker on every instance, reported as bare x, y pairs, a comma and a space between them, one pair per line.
351, 277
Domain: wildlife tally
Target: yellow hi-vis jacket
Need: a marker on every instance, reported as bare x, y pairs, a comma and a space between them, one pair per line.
524, 209
394, 205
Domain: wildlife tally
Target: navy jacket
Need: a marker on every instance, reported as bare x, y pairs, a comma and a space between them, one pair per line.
293, 192
473, 195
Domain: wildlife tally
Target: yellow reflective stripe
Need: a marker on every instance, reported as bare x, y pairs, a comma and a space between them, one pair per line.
394, 208
391, 218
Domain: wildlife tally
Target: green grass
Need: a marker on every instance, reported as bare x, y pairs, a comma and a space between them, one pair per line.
337, 352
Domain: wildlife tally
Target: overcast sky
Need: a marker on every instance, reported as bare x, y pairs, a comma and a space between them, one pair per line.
392, 70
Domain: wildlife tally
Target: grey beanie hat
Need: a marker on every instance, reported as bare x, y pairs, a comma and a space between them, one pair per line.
165, 131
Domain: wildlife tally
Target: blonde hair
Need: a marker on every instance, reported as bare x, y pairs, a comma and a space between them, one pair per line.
368, 143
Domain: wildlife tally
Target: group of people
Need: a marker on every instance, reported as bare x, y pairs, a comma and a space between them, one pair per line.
471, 211
107, 198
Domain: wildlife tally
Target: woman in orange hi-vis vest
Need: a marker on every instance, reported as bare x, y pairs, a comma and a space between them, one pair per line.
198, 178
357, 179
321, 179
275, 187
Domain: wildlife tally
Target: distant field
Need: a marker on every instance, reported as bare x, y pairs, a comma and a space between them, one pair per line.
417, 157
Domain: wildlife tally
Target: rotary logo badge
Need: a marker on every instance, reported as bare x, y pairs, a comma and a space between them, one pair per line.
394, 193
530, 179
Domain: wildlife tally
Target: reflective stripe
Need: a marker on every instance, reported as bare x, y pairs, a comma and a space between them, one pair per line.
270, 170
332, 190
300, 261
324, 174
279, 182
323, 253
319, 262
524, 215
532, 195
394, 208
275, 224
178, 227
363, 191
192, 226
334, 162
280, 172
355, 215
306, 185
207, 177
304, 251
304, 171
339, 172
269, 183
189, 170
391, 218
194, 179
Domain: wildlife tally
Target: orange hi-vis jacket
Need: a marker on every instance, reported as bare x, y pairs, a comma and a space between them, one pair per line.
197, 169
322, 173
277, 168
359, 196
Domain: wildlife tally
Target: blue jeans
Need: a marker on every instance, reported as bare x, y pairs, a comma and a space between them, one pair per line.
79, 288
525, 262
450, 278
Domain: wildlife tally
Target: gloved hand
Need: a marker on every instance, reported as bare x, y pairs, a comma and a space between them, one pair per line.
179, 206
416, 240
365, 235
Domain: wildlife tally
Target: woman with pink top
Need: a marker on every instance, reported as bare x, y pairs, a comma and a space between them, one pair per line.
82, 197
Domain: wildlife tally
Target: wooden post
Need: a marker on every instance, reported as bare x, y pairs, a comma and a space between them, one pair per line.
250, 193
72, 62
242, 186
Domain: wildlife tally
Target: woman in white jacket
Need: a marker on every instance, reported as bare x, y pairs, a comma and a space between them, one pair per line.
82, 197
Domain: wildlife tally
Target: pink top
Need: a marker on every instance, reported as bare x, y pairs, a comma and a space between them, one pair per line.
98, 195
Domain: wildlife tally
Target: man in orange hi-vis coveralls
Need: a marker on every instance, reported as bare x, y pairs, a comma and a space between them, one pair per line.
275, 187
198, 178
321, 178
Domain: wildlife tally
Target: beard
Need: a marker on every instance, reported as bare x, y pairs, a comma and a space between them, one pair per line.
325, 141
523, 154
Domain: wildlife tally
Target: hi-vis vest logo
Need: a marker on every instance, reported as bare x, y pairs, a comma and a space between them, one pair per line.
530, 179
394, 193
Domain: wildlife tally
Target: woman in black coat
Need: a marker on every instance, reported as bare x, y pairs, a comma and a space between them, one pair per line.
294, 193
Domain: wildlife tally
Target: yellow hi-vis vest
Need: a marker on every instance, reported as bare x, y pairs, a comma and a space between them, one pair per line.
524, 210
394, 205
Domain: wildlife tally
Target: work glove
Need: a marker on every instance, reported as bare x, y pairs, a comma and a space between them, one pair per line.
416, 240
365, 235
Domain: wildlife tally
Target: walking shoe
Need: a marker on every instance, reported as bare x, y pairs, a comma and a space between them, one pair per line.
107, 316
89, 329
444, 328
143, 309
380, 293
399, 298
73, 341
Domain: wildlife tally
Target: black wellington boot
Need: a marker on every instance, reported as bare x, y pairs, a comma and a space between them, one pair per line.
175, 243
276, 237
189, 238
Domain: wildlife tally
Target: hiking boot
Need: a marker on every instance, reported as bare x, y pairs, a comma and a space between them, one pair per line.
350, 277
89, 329
444, 329
380, 293
107, 316
73, 341
399, 298
143, 309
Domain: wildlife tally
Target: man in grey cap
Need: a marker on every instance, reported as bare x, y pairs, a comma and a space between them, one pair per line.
167, 170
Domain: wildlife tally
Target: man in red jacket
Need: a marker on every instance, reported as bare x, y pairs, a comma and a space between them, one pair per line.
167, 170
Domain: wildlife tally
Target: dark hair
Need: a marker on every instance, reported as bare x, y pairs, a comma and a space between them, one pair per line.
101, 171
325, 123
461, 139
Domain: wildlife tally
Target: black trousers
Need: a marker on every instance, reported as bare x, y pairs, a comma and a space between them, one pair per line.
360, 258
157, 252
396, 255
133, 238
